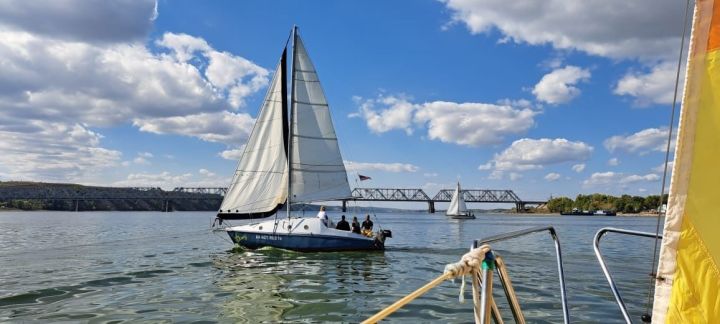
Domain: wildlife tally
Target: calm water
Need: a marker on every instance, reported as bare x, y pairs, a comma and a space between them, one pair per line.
169, 267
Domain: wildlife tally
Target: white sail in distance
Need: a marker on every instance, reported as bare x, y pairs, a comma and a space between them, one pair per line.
259, 186
316, 166
457, 203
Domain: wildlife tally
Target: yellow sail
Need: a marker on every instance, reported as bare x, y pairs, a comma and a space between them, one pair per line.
688, 288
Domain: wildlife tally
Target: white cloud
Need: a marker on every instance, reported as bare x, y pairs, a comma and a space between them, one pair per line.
578, 167
469, 124
430, 175
206, 173
385, 167
47, 151
223, 127
515, 176
527, 154
613, 162
552, 176
398, 114
617, 179
645, 29
654, 87
642, 142
63, 72
232, 154
141, 160
81, 19
558, 86
145, 154
638, 178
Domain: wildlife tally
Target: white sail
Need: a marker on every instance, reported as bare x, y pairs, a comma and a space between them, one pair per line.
457, 203
317, 169
259, 186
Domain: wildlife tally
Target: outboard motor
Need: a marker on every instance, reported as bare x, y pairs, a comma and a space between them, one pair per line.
387, 233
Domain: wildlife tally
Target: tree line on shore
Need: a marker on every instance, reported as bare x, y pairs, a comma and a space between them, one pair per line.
622, 204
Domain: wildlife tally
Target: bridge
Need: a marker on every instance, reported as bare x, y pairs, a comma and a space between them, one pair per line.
445, 195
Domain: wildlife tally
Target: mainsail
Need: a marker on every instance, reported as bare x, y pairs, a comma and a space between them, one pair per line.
457, 203
316, 166
688, 285
259, 186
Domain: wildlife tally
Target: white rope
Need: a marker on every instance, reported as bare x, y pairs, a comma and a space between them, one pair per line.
469, 264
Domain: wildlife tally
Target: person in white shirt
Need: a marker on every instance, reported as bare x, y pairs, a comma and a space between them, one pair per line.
323, 216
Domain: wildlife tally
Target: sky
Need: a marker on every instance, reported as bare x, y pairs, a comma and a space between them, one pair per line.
547, 98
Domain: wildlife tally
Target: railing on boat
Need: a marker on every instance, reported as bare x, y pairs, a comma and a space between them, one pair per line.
596, 245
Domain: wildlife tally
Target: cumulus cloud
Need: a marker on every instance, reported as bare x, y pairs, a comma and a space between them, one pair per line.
558, 86
552, 176
613, 162
223, 127
47, 151
232, 154
617, 179
527, 154
645, 29
385, 167
124, 20
642, 142
62, 72
397, 114
578, 167
654, 87
471, 124
206, 173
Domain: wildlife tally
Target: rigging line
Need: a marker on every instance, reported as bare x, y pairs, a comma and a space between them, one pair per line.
667, 157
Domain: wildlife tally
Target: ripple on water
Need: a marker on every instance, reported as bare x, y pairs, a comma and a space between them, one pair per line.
131, 269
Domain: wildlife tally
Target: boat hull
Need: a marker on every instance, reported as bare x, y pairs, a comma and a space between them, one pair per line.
304, 243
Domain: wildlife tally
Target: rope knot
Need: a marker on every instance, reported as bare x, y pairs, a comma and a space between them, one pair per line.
469, 264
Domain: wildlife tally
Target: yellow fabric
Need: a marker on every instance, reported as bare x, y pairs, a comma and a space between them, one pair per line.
695, 284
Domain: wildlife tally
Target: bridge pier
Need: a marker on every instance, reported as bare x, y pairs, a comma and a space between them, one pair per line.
431, 207
344, 206
520, 207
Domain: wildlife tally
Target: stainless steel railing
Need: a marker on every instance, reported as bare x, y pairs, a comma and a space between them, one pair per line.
608, 276
486, 294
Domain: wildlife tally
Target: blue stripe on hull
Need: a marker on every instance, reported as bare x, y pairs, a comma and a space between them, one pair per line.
305, 243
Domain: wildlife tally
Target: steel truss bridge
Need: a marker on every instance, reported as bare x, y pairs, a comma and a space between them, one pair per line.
445, 195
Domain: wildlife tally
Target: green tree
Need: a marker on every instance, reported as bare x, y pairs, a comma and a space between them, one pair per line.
560, 204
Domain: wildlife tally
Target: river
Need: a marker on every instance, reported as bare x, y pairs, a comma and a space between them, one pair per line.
112, 267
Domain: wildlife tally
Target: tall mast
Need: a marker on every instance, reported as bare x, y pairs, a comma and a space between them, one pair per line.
292, 118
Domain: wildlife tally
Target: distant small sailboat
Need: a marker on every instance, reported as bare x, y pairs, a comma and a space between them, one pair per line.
457, 208
295, 161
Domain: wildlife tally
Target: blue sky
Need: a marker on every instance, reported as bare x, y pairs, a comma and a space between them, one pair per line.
542, 97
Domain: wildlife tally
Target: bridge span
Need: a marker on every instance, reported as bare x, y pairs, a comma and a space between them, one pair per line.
445, 195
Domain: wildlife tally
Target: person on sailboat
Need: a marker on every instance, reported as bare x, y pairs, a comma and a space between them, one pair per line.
367, 226
323, 216
355, 225
343, 224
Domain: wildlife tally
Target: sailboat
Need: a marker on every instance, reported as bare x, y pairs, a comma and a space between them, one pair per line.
288, 160
457, 208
